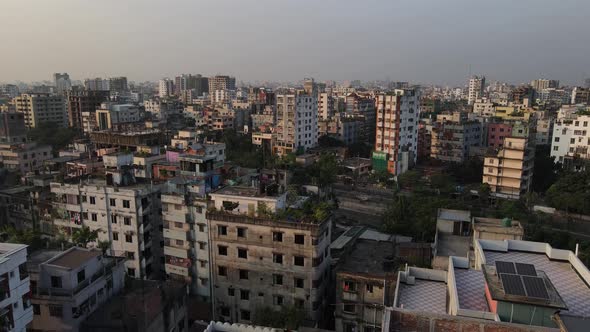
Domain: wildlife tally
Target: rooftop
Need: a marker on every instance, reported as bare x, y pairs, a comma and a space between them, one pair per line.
372, 258
40, 256
7, 249
423, 295
495, 226
240, 191
74, 257
470, 289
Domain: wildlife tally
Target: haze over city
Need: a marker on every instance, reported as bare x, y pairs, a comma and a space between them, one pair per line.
419, 41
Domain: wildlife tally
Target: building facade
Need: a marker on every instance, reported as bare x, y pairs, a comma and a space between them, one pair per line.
80, 101
42, 108
16, 312
297, 126
475, 89
452, 137
509, 171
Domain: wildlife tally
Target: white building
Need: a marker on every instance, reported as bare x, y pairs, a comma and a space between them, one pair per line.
223, 96
15, 304
110, 115
165, 88
571, 138
161, 108
127, 216
71, 285
476, 87
297, 122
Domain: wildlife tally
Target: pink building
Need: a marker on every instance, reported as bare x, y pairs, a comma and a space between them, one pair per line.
496, 134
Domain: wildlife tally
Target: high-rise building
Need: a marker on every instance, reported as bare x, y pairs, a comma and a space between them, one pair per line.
362, 109
580, 95
297, 121
452, 137
12, 128
166, 88
16, 311
542, 84
571, 138
8, 90
221, 83
96, 84
396, 139
80, 101
509, 170
476, 87
42, 108
62, 82
118, 84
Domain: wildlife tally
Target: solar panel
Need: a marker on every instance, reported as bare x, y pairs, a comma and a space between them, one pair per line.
526, 269
535, 287
512, 284
505, 267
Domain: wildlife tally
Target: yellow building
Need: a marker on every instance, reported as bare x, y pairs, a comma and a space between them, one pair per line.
509, 171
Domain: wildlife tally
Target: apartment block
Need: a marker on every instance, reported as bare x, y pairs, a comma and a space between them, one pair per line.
221, 82
297, 122
127, 215
396, 140
363, 108
42, 108
24, 157
509, 170
16, 312
452, 137
12, 128
165, 88
260, 261
571, 139
68, 286
475, 89
113, 116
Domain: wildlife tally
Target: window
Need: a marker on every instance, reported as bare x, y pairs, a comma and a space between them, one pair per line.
203, 263
202, 245
115, 236
56, 282
81, 275
112, 202
178, 224
222, 250
131, 272
299, 239
242, 253
277, 279
244, 294
55, 310
203, 281
277, 300
573, 140
221, 230
113, 219
557, 139
94, 217
127, 221
277, 258
128, 238
130, 254
84, 199
243, 274
241, 232
277, 236
36, 309
245, 314
92, 200
222, 271
126, 204
349, 286
349, 327
349, 307
299, 283
201, 228
369, 288
299, 260
179, 242
299, 303
231, 292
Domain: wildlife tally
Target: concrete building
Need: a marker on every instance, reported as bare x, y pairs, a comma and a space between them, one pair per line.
118, 84
12, 128
297, 126
96, 84
258, 261
80, 101
126, 215
363, 108
571, 139
68, 286
113, 116
165, 88
9, 90
398, 114
484, 107
162, 109
475, 89
62, 82
544, 131
42, 108
365, 285
542, 84
16, 312
452, 136
509, 170
221, 82
24, 157
580, 95
326, 106
144, 306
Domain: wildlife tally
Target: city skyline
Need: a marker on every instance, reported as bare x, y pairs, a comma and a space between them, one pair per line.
272, 42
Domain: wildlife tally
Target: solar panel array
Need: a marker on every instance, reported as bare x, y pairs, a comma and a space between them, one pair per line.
521, 279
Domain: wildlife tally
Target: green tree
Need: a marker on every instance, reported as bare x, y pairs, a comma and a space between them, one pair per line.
571, 192
48, 133
30, 237
546, 170
82, 236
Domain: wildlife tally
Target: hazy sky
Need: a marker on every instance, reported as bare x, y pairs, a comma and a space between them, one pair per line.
419, 41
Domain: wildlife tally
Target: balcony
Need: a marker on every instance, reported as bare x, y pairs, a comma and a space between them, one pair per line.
176, 252
176, 234
183, 271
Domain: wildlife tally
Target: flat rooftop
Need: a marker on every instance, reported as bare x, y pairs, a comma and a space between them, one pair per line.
495, 226
471, 289
73, 257
454, 215
570, 286
452, 245
424, 295
240, 191
368, 257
